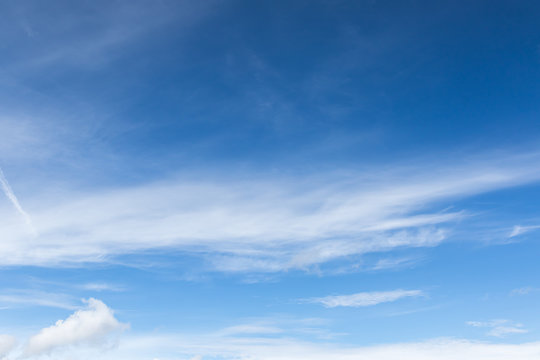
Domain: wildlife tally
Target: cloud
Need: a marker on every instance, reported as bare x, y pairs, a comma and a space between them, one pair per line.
11, 196
393, 263
523, 291
91, 41
100, 286
264, 224
90, 325
174, 346
7, 343
17, 297
500, 327
365, 298
275, 326
250, 329
520, 230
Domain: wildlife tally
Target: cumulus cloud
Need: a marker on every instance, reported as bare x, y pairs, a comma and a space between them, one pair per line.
7, 343
89, 325
500, 327
365, 298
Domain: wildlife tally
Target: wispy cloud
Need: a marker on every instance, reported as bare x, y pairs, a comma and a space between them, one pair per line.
262, 224
520, 230
102, 286
500, 327
278, 326
364, 298
394, 263
92, 41
251, 329
11, 196
18, 298
524, 290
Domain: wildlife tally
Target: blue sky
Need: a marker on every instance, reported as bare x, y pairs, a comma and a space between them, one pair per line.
269, 180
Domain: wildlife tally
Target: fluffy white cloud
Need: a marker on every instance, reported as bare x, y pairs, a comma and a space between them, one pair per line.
365, 298
7, 343
91, 324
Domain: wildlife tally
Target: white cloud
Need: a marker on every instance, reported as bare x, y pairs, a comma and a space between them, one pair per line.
7, 343
523, 291
89, 325
393, 263
11, 196
500, 327
365, 298
257, 225
177, 346
520, 230
250, 329
275, 326
18, 297
267, 345
101, 286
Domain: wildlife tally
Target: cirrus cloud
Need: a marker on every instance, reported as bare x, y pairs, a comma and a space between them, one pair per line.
365, 298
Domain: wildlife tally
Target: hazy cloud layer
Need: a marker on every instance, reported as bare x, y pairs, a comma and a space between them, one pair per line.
7, 343
289, 349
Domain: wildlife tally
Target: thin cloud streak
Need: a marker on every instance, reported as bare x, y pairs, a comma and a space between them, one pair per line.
520, 230
500, 327
364, 299
25, 298
11, 196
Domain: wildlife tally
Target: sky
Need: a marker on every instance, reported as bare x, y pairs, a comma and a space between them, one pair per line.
269, 180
